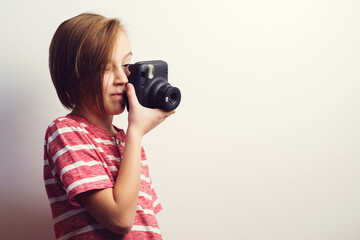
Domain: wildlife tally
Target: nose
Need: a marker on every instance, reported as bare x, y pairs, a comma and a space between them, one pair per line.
120, 77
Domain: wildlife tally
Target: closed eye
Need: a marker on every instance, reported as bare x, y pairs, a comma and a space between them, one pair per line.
126, 69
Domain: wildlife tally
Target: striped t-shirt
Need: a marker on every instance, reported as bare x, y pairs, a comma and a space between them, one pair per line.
79, 157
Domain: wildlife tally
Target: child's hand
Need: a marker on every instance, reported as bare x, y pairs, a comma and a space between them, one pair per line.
141, 119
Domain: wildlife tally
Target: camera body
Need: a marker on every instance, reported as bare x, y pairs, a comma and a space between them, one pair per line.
150, 80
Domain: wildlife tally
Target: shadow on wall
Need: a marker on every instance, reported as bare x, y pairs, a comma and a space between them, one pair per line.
24, 208
20, 220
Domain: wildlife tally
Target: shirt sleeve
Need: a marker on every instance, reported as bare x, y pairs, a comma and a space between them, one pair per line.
76, 161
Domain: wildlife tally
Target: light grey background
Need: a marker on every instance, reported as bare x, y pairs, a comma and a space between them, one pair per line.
265, 144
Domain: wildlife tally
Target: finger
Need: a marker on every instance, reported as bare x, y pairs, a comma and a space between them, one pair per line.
167, 114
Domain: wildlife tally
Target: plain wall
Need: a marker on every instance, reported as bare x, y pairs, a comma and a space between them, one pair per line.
265, 143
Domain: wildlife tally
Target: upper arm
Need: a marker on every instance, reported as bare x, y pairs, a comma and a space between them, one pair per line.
101, 205
75, 161
77, 167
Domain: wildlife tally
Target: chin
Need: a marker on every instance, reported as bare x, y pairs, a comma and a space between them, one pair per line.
116, 111
114, 108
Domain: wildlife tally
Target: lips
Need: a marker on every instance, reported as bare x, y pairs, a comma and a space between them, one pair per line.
117, 95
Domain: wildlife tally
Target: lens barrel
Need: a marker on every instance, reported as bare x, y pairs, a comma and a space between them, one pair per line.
168, 98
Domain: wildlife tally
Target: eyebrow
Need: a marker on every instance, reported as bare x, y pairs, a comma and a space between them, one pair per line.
128, 54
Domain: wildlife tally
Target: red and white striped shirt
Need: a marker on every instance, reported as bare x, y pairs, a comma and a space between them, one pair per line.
79, 157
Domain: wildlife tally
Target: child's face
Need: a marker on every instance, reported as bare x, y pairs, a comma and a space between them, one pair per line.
115, 76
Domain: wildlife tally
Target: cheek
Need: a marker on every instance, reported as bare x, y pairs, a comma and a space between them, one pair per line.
106, 81
106, 88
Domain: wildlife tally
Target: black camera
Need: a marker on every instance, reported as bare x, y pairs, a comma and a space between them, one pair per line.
150, 79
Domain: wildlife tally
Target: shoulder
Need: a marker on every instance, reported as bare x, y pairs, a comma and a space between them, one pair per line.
64, 127
65, 122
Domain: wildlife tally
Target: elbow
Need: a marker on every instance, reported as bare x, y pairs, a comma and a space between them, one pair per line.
121, 227
121, 230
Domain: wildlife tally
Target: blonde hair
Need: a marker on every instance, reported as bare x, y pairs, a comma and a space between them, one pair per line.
79, 51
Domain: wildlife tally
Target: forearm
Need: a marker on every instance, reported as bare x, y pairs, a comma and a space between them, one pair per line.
126, 189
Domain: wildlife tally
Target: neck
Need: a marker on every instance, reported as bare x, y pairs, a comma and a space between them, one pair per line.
102, 120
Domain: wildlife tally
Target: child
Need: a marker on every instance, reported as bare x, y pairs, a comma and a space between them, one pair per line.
96, 176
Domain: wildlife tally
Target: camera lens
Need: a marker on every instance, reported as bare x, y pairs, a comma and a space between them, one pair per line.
168, 98
172, 98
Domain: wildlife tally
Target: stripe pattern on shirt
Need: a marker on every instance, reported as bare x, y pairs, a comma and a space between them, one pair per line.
80, 157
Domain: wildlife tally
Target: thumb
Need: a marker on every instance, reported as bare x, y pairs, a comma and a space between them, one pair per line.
131, 95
